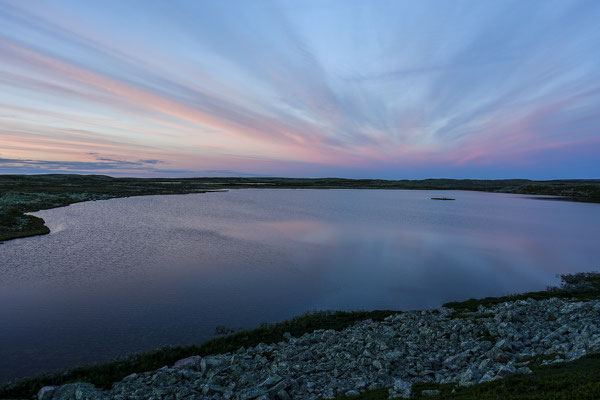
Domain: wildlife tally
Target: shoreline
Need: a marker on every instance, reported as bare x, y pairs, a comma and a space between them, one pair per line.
22, 194
582, 290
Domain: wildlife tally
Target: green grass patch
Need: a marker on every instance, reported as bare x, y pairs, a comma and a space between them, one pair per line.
19, 226
536, 361
576, 287
579, 379
368, 395
104, 375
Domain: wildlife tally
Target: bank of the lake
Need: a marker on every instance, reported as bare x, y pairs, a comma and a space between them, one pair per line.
20, 194
532, 345
121, 276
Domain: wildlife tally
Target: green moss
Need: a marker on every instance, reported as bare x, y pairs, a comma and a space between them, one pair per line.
576, 287
536, 361
368, 395
579, 379
22, 226
20, 194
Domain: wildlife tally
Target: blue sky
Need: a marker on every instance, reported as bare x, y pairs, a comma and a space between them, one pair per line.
398, 89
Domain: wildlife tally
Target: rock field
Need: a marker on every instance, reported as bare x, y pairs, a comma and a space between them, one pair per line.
431, 346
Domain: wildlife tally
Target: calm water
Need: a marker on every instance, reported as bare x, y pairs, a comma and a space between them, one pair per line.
134, 274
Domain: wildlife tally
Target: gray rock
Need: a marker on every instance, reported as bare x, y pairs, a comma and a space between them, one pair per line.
470, 376
506, 370
488, 377
271, 381
186, 362
45, 393
250, 394
501, 358
421, 346
283, 395
401, 389
77, 391
525, 370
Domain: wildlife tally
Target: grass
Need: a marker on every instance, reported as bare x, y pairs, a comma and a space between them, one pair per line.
554, 382
579, 379
21, 226
576, 287
104, 375
20, 194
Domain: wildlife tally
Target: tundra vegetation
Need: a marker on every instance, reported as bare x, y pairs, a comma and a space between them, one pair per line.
546, 379
21, 194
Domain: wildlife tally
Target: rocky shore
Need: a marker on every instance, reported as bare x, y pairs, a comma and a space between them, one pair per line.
419, 346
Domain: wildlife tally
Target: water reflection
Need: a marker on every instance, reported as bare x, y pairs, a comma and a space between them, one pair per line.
308, 231
133, 274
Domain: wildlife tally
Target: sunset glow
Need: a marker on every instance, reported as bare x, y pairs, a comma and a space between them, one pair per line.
398, 89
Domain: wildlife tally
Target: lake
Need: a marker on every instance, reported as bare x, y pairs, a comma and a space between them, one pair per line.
127, 275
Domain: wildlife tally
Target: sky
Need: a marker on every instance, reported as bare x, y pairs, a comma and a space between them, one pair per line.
359, 89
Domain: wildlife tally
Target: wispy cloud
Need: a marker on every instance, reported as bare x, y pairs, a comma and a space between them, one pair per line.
103, 164
282, 88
